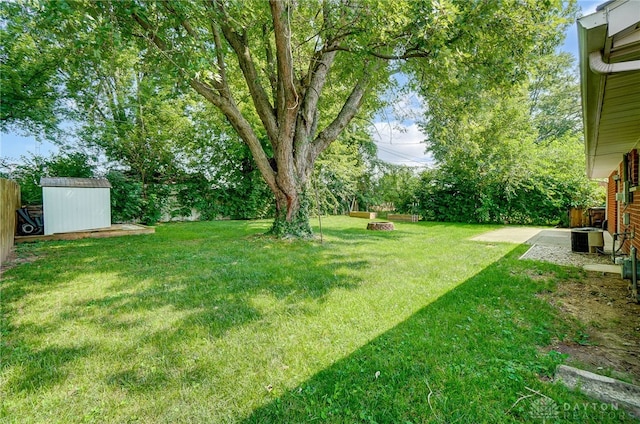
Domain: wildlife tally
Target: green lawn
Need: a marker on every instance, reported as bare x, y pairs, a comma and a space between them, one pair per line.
211, 322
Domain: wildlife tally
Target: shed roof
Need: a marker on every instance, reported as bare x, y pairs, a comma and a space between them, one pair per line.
75, 182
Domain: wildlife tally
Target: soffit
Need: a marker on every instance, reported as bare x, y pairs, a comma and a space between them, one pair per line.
611, 103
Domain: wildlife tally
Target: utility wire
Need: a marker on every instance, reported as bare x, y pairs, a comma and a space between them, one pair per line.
399, 144
400, 155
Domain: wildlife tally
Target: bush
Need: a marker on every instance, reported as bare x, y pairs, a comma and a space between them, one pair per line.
34, 167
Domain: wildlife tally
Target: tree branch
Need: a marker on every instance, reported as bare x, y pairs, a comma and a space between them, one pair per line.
258, 94
308, 114
287, 99
409, 54
224, 84
347, 113
271, 62
242, 127
183, 22
321, 63
228, 108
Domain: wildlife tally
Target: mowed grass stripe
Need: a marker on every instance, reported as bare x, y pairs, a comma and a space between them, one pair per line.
212, 322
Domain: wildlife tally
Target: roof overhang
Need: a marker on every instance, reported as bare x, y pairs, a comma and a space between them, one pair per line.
74, 182
609, 42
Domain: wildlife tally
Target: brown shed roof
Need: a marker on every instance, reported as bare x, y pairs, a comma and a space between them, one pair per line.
75, 182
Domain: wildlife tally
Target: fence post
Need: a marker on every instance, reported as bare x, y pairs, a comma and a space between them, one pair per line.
9, 202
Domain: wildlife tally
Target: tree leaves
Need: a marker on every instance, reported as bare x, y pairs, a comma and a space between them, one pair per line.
509, 156
29, 76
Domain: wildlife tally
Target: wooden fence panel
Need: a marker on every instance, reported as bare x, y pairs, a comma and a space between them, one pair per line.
367, 215
9, 202
403, 217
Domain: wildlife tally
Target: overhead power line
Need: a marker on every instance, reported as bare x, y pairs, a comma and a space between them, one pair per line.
402, 156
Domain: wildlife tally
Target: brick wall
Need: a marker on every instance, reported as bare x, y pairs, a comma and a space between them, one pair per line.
633, 167
616, 210
633, 209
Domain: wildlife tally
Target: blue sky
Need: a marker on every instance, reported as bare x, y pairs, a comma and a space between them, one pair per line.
397, 143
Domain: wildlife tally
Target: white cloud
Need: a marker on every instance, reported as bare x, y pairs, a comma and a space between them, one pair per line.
401, 144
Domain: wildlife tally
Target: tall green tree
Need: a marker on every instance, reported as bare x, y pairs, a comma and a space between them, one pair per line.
397, 186
484, 154
282, 72
344, 171
30, 99
510, 153
492, 122
555, 106
135, 117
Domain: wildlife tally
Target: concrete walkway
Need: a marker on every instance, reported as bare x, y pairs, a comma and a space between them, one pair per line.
545, 236
552, 245
560, 237
517, 235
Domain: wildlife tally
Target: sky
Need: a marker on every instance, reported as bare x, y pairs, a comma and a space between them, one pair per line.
399, 140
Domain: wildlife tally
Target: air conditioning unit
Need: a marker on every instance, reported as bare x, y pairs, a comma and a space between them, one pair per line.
587, 240
595, 241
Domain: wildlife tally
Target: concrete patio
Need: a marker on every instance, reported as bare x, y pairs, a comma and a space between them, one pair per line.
553, 245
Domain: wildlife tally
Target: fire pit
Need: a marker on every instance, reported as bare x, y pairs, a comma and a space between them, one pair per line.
380, 226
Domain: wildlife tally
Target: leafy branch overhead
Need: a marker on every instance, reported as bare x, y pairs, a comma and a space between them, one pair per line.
284, 96
291, 76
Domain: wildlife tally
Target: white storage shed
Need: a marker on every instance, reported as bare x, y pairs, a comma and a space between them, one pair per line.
75, 204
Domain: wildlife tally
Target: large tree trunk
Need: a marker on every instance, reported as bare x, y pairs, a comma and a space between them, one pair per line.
292, 216
288, 112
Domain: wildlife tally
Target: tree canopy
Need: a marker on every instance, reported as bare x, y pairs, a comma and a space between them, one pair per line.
29, 75
289, 77
512, 155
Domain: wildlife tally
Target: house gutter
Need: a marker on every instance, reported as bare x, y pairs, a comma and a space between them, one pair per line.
599, 66
595, 38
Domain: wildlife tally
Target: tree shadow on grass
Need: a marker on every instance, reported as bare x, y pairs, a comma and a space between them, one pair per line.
37, 369
467, 357
210, 281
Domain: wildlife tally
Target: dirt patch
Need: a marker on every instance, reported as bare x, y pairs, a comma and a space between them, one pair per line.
13, 260
609, 342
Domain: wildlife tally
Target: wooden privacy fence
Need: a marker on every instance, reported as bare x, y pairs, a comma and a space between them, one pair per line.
403, 217
9, 202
